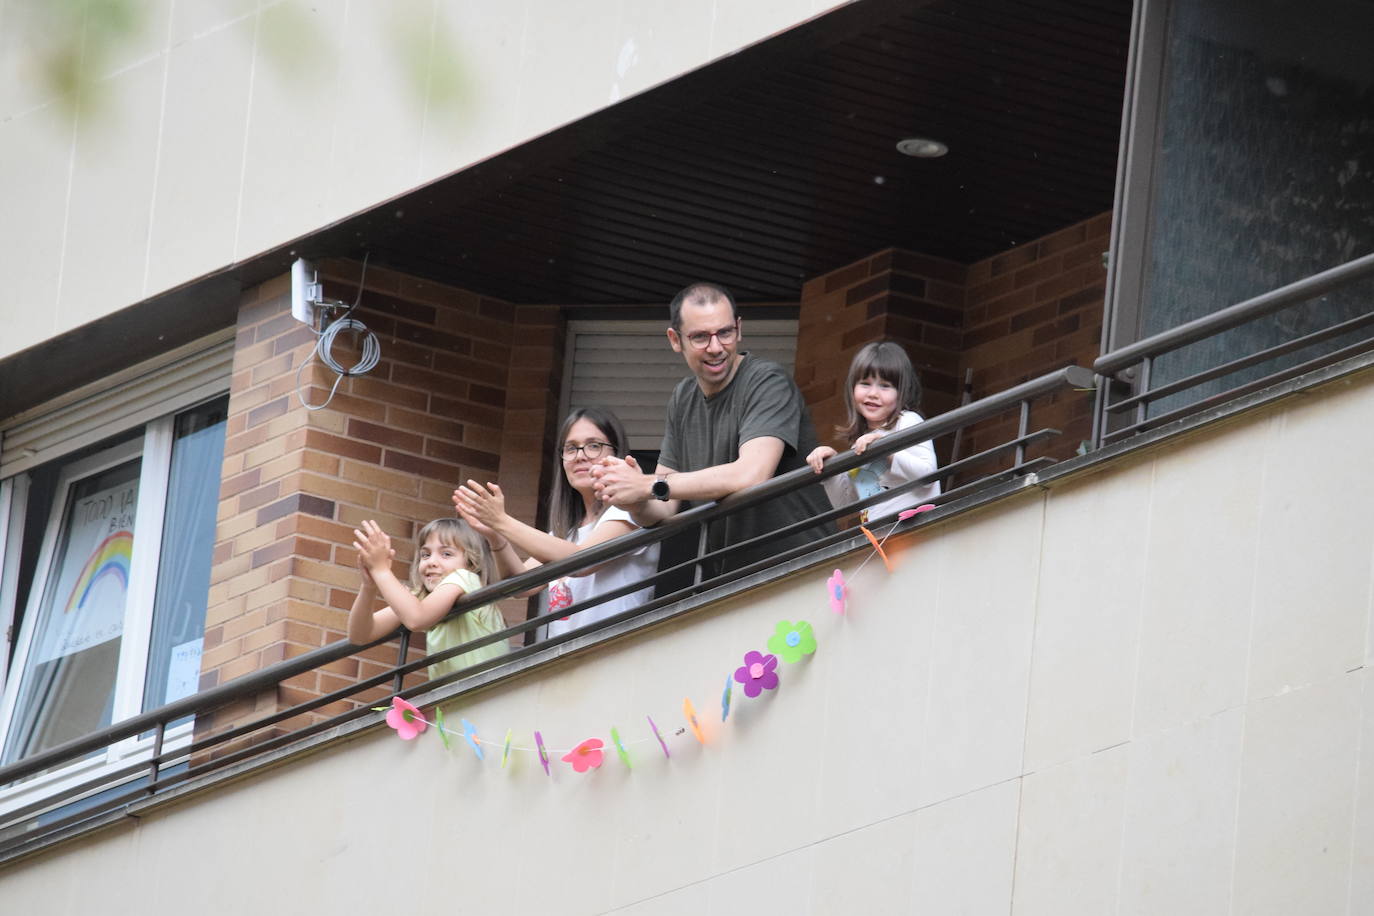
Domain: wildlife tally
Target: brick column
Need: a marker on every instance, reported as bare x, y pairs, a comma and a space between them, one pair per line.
1031, 310
390, 446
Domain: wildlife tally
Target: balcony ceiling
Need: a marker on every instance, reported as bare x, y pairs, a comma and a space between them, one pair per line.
780, 163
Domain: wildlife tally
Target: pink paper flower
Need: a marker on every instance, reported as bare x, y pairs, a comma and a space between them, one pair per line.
405, 718
839, 591
758, 673
586, 755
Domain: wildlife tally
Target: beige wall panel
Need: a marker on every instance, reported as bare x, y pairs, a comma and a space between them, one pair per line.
1179, 840
1199, 578
1362, 845
143, 42
200, 163
1316, 548
553, 89
1068, 852
1297, 793
980, 652
863, 871
197, 18
22, 88
291, 119
1087, 626
385, 54
472, 102
111, 196
965, 850
31, 246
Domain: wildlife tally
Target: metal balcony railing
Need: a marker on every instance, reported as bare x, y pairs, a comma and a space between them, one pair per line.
1130, 368
157, 765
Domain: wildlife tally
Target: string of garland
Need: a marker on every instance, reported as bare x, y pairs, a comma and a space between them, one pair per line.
790, 643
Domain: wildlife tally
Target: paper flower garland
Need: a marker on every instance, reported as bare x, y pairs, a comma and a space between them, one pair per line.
620, 751
543, 754
470, 736
839, 591
757, 674
405, 718
877, 546
690, 712
439, 728
661, 743
790, 641
586, 755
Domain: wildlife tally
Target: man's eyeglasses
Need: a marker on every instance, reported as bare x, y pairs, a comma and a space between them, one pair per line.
702, 339
593, 450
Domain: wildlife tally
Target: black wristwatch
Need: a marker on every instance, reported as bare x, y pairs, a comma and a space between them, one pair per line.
660, 490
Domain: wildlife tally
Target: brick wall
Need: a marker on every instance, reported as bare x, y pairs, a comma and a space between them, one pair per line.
390, 446
1032, 310
1008, 318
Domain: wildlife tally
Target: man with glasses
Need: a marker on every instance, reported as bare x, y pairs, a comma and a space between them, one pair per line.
737, 421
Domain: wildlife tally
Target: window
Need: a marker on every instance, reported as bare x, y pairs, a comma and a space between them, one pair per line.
1245, 170
107, 552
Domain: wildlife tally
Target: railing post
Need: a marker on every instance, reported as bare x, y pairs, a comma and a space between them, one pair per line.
153, 765
1142, 387
1022, 428
402, 654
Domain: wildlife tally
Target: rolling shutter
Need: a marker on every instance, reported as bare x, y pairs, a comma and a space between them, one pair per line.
629, 367
127, 399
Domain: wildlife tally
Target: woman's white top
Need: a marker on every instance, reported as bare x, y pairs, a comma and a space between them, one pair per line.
632, 567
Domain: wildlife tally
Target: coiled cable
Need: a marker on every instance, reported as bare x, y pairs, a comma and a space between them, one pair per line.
367, 360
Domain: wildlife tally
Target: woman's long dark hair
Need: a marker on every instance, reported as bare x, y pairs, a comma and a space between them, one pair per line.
889, 362
566, 510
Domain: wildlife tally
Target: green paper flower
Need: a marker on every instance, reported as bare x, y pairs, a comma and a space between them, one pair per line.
790, 641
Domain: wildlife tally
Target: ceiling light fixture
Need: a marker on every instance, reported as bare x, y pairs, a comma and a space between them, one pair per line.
922, 148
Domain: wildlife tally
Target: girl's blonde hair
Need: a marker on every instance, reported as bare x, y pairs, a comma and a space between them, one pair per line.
889, 362
454, 532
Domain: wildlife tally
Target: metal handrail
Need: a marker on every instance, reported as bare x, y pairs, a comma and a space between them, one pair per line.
264, 678
1233, 316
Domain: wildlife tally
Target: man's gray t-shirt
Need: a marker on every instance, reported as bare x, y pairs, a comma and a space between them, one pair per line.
702, 432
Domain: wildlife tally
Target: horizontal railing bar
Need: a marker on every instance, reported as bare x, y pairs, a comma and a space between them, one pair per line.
75, 793
265, 678
1235, 315
1235, 365
1240, 391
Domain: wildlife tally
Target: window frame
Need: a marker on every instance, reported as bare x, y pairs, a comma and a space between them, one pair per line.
150, 396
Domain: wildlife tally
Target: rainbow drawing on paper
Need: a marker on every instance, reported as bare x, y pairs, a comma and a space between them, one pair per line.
111, 558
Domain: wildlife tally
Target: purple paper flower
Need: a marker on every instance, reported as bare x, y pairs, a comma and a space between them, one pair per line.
758, 673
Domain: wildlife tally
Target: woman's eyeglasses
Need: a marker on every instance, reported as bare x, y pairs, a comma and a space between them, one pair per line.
593, 450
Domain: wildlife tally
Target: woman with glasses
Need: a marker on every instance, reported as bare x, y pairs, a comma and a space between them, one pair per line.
579, 520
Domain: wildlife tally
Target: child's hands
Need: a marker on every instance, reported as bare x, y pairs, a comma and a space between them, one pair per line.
374, 549
865, 441
819, 456
482, 507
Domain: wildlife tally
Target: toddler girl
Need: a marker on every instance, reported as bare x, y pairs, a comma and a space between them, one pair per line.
884, 394
451, 559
